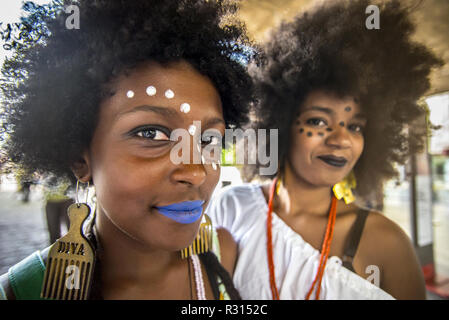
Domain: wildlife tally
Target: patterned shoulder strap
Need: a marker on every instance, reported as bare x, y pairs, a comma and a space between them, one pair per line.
216, 250
27, 276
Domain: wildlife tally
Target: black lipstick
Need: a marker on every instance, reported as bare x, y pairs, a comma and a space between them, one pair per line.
333, 160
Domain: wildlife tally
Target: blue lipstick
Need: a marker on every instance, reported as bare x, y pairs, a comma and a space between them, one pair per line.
183, 212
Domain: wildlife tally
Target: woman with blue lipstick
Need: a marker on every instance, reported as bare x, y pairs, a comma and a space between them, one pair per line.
98, 105
344, 99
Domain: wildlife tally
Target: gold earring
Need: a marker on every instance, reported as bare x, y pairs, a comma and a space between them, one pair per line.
71, 259
344, 188
278, 185
203, 240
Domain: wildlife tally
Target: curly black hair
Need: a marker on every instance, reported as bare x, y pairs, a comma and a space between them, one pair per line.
53, 85
330, 48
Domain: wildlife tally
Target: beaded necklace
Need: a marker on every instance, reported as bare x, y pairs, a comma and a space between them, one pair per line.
199, 283
325, 249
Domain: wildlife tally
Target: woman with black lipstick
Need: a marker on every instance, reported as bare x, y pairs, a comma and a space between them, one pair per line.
348, 95
98, 105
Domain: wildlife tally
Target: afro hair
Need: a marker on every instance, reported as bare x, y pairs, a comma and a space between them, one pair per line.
54, 83
330, 48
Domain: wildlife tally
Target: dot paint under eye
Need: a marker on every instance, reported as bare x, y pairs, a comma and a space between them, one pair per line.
192, 129
185, 108
321, 134
309, 134
301, 130
130, 94
348, 109
342, 124
328, 129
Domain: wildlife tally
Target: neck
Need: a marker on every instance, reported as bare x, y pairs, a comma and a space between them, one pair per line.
297, 196
126, 259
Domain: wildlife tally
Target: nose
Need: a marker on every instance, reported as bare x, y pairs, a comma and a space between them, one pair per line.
190, 174
339, 137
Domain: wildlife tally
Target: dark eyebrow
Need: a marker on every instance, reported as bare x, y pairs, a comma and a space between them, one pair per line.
167, 112
331, 112
213, 121
322, 109
360, 116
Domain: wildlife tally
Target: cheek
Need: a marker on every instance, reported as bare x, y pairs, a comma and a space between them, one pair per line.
213, 176
359, 145
301, 147
126, 182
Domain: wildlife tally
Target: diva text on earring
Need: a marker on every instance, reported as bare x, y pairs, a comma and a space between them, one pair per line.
71, 259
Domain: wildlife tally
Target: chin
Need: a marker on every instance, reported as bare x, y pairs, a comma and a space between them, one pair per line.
323, 182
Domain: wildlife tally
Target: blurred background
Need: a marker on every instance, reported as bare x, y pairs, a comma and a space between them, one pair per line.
418, 201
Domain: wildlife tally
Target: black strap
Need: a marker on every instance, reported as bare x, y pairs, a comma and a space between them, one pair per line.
353, 238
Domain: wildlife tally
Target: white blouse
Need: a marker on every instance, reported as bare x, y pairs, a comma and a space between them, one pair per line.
242, 210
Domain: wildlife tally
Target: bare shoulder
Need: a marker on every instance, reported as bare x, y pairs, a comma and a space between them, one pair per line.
4, 282
386, 245
384, 229
228, 249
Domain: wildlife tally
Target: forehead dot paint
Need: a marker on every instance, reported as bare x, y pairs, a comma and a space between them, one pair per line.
342, 124
151, 91
185, 108
169, 94
301, 130
348, 109
192, 129
130, 94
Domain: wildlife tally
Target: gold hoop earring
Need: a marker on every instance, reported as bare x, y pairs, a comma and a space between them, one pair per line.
71, 259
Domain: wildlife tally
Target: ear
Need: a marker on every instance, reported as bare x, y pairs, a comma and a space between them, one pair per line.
82, 169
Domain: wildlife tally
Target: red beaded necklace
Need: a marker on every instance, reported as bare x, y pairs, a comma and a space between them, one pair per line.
325, 249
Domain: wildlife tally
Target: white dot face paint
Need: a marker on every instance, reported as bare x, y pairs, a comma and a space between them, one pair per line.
130, 94
185, 108
169, 94
151, 91
192, 129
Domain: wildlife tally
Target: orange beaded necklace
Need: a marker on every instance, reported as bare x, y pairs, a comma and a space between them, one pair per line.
325, 249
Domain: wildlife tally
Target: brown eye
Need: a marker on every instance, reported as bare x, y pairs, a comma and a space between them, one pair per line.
211, 140
355, 128
151, 133
317, 122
